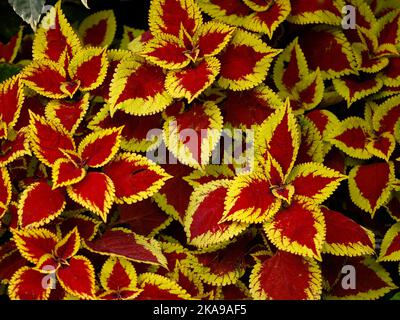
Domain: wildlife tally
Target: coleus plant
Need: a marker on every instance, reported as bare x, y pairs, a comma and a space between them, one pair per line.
107, 188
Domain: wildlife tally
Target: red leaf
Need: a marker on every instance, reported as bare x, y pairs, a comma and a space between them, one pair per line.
257, 108
168, 16
135, 178
39, 204
27, 284
9, 50
372, 280
206, 208
95, 193
47, 140
346, 237
99, 147
286, 276
11, 100
68, 246
34, 243
67, 114
332, 44
78, 277
121, 243
172, 202
299, 229
143, 217
47, 78
9, 264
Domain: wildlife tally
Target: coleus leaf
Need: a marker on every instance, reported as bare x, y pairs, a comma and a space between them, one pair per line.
308, 93
114, 57
87, 227
261, 102
231, 12
137, 45
373, 281
286, 276
225, 265
370, 185
167, 16
256, 16
27, 284
138, 88
314, 181
172, 202
78, 277
390, 249
5, 191
386, 117
393, 206
312, 147
391, 74
211, 172
389, 30
290, 67
129, 34
279, 136
314, 11
143, 217
352, 137
47, 140
99, 147
212, 37
242, 206
304, 237
135, 177
135, 135
96, 192
117, 274
33, 244
67, 114
11, 100
345, 237
156, 287
167, 52
192, 135
123, 243
190, 82
245, 61
39, 204
65, 173
69, 245
202, 218
49, 79
237, 291
325, 121
176, 255
89, 68
333, 44
354, 88
267, 18
10, 262
9, 50
54, 36
98, 29
188, 280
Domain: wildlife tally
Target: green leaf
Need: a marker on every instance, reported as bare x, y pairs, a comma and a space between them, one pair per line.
8, 70
396, 296
29, 10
